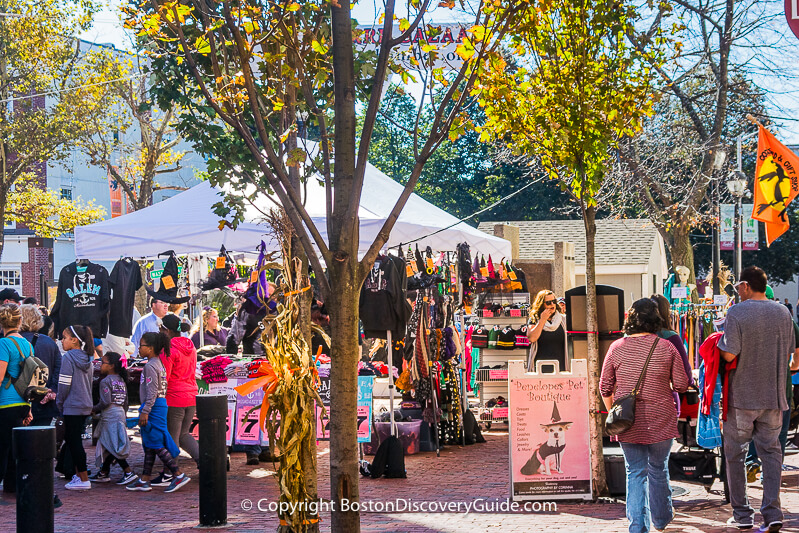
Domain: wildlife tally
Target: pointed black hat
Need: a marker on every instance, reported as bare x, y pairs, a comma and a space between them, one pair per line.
556, 420
168, 286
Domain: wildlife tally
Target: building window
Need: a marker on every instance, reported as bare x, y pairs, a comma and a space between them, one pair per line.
66, 194
11, 277
655, 288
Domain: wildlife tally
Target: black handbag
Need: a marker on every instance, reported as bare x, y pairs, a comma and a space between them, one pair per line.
693, 467
622, 413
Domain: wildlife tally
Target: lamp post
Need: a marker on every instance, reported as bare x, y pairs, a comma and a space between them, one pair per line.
736, 184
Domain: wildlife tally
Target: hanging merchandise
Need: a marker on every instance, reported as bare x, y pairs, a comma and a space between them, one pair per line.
382, 303
223, 274
124, 281
256, 297
168, 286
83, 298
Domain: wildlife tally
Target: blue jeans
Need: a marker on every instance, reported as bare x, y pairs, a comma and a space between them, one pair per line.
751, 455
648, 490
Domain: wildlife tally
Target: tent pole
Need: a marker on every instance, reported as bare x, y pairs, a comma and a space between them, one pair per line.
390, 361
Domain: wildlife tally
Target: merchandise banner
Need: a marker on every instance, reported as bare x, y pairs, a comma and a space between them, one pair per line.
365, 387
247, 430
550, 453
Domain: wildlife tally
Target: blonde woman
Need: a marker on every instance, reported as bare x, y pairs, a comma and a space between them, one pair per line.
213, 334
546, 331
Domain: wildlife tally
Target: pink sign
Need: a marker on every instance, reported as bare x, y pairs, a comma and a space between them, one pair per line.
500, 373
247, 425
549, 436
195, 427
488, 314
322, 431
364, 422
515, 312
499, 412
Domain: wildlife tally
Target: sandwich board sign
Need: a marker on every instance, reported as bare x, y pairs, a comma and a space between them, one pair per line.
550, 452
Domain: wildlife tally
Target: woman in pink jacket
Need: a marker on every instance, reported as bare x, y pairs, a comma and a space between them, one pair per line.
181, 389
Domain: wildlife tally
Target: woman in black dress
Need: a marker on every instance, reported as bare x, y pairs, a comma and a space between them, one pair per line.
546, 331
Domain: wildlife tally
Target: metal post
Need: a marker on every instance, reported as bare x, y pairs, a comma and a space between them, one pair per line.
212, 416
737, 249
739, 215
738, 236
34, 452
390, 362
716, 242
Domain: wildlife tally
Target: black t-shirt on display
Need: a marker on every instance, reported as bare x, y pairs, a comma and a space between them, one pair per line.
125, 280
82, 298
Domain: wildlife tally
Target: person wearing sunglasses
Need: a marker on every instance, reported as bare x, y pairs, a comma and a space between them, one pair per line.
546, 331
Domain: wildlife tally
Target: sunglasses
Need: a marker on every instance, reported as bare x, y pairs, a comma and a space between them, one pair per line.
550, 302
144, 345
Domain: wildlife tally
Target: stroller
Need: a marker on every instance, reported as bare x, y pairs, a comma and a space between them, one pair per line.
692, 463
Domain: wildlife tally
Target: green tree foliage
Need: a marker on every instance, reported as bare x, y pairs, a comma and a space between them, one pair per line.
40, 55
578, 89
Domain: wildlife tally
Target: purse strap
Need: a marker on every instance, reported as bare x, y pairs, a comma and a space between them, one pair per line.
637, 388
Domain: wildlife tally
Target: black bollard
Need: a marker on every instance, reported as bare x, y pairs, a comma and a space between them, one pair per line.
212, 415
34, 451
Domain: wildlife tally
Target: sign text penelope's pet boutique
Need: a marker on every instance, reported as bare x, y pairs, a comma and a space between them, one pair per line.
550, 454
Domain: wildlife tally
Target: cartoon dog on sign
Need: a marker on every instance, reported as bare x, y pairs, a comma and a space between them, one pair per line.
547, 457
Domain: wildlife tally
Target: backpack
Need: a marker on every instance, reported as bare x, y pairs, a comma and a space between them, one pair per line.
32, 372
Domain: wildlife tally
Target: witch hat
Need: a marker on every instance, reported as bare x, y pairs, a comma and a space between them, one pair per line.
223, 274
556, 420
168, 287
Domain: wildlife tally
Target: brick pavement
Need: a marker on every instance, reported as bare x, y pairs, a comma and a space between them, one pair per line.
478, 471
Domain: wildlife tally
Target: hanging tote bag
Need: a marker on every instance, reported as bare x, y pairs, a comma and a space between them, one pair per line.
622, 413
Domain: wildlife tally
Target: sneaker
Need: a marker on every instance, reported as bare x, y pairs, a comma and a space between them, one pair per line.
161, 480
140, 485
740, 525
127, 477
252, 459
100, 477
772, 527
77, 484
57, 501
178, 482
752, 471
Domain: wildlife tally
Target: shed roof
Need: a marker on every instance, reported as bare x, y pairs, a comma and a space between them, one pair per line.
618, 242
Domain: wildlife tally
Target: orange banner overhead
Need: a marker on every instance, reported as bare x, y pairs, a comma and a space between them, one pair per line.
776, 184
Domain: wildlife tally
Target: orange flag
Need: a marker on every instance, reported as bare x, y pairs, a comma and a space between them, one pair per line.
776, 184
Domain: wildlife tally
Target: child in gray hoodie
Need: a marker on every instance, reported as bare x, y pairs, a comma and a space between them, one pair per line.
74, 399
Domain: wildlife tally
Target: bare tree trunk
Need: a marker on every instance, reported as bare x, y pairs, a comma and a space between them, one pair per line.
344, 271
594, 368
343, 308
678, 241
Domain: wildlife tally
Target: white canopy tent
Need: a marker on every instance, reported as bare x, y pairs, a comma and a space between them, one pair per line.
186, 223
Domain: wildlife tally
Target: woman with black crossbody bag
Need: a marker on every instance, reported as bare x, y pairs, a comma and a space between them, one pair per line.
639, 375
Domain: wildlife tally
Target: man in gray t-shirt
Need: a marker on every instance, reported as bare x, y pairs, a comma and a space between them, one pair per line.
758, 334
